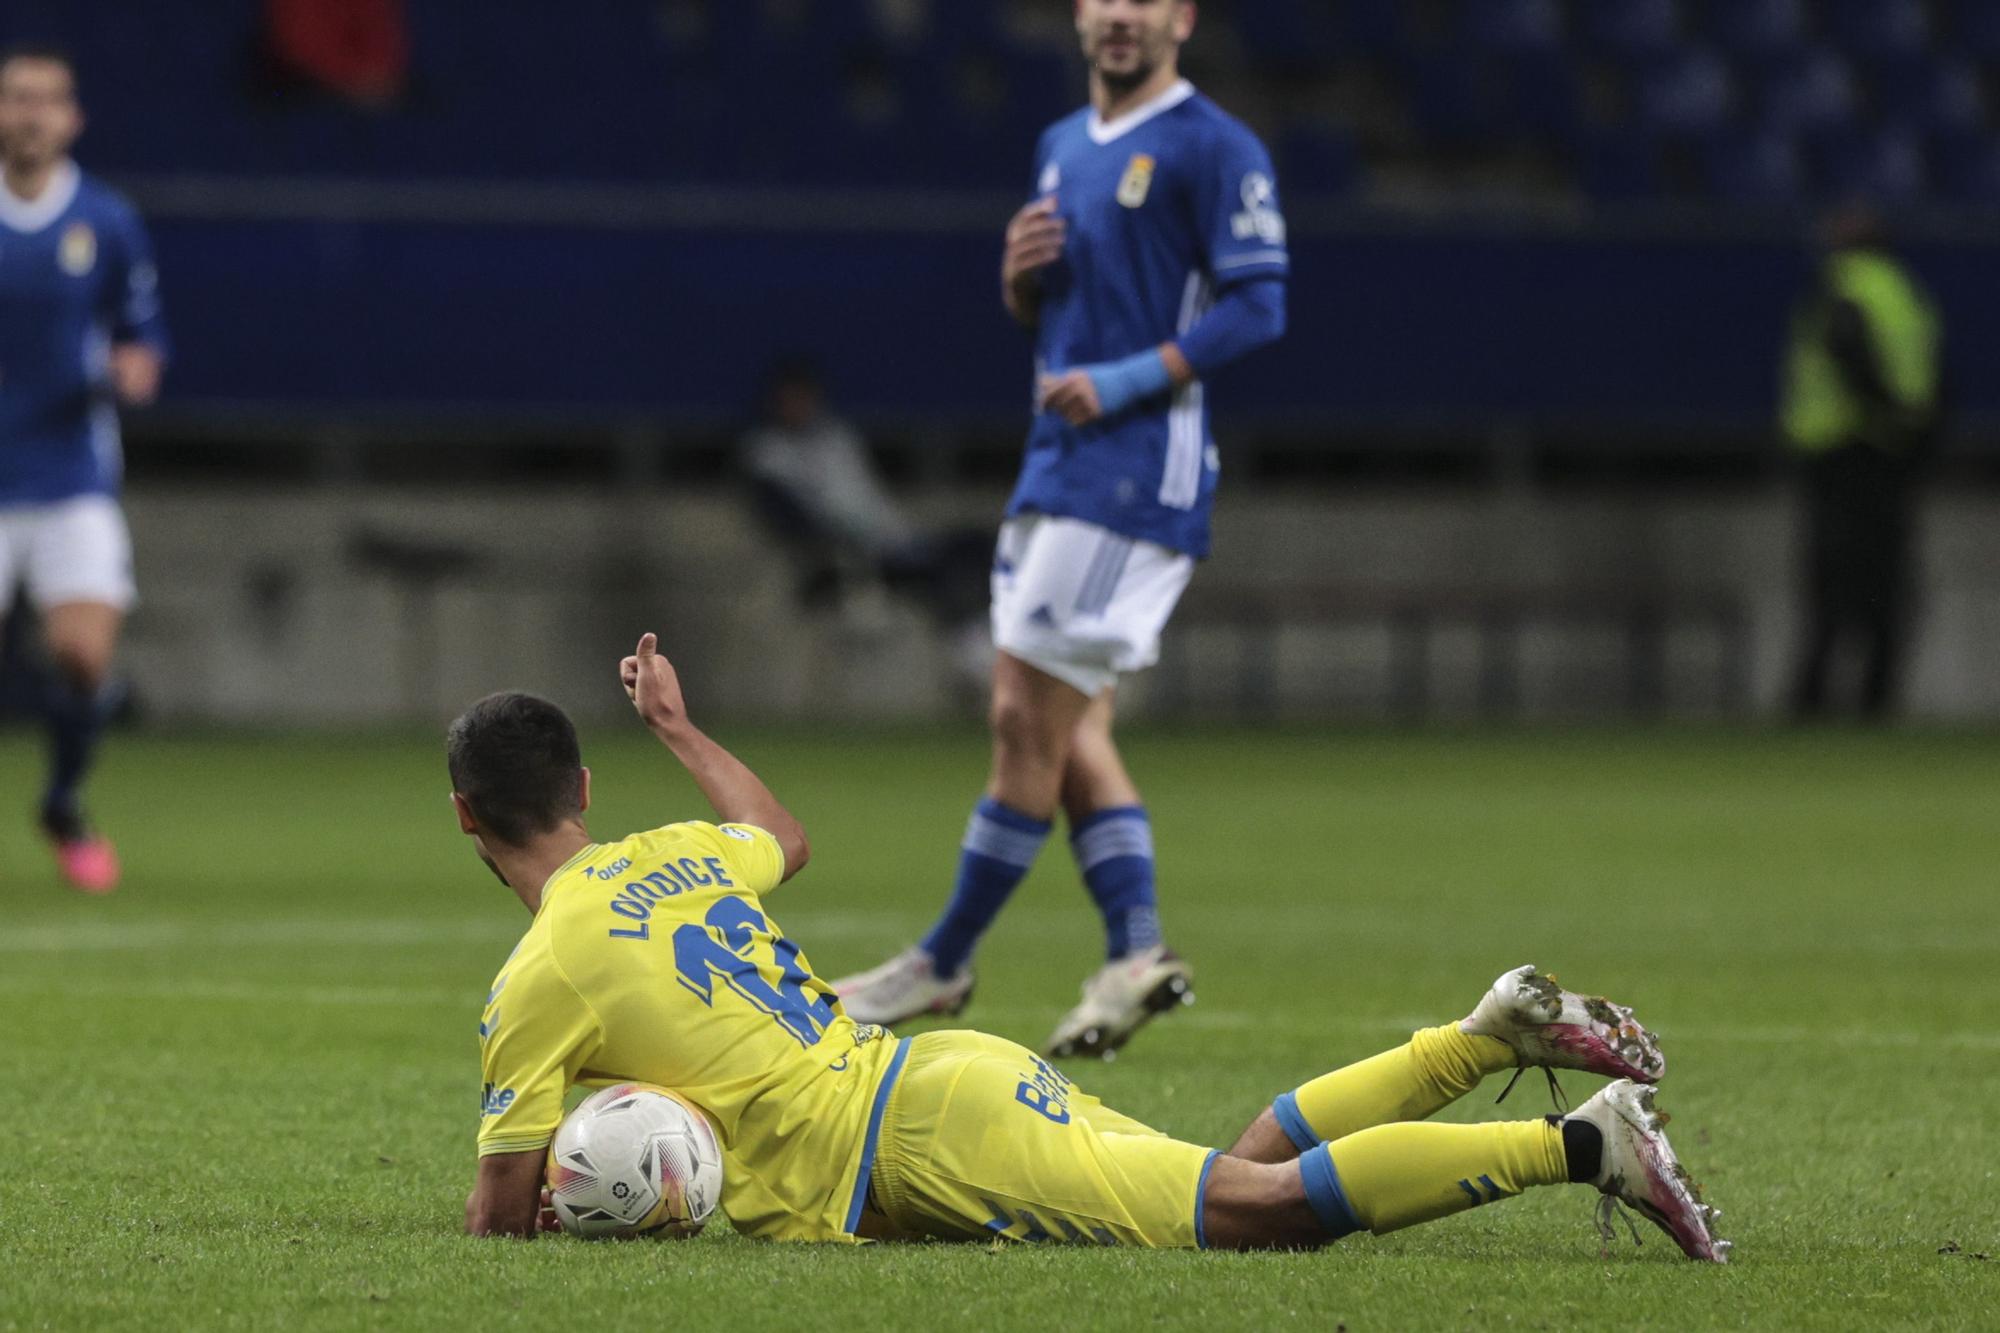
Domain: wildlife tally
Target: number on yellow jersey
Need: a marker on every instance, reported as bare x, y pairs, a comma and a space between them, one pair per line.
725, 947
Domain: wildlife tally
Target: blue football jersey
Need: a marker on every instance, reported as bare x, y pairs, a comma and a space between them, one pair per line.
1165, 207
76, 275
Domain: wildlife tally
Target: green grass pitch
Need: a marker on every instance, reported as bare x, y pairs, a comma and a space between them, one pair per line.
241, 1093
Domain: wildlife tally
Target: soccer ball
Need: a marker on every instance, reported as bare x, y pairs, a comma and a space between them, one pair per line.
634, 1160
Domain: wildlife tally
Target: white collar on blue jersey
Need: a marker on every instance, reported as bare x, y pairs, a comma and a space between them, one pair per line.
35, 214
1104, 131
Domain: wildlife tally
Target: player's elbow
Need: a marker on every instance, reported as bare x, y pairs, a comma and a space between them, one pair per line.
795, 847
1268, 312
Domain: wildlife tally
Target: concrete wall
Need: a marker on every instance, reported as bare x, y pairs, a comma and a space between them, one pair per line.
313, 607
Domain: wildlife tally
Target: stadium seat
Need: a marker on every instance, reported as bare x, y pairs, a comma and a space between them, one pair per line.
1808, 93
1758, 168
1968, 168
1623, 165
1879, 30
1633, 31
1550, 97
1975, 28
1514, 27
1756, 31
1684, 94
1932, 94
1883, 165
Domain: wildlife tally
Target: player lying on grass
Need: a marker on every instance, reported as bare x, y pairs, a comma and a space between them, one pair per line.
652, 959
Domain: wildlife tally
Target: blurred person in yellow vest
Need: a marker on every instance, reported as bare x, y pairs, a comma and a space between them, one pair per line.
1860, 413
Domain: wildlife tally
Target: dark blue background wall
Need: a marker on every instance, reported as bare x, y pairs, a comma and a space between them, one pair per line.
1437, 327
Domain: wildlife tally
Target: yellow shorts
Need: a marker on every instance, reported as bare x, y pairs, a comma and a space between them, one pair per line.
983, 1138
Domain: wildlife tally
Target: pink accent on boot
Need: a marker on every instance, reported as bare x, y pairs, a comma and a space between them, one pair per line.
88, 865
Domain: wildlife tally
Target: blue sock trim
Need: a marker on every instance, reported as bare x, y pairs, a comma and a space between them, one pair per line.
1324, 1193
1000, 834
1290, 1119
1131, 834
1000, 845
1096, 817
1113, 848
1201, 1202
1009, 816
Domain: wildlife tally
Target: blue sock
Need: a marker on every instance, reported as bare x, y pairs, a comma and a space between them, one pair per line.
75, 721
1325, 1194
1000, 844
1114, 850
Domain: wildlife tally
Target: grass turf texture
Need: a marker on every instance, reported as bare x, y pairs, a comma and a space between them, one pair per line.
241, 1092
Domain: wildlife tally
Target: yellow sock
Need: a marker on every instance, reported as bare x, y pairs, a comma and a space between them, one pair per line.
1434, 1069
1394, 1176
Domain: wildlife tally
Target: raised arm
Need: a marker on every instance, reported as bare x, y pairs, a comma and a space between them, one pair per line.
736, 793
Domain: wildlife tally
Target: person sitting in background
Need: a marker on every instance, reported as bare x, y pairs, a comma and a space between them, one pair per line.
823, 498
355, 50
1861, 412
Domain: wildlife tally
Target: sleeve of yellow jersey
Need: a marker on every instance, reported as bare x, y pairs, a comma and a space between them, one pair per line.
755, 860
536, 1034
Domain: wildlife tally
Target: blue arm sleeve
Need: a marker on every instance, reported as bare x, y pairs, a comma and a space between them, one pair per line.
135, 290
1243, 318
1120, 384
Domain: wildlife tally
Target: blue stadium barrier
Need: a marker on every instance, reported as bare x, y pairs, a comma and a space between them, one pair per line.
1447, 326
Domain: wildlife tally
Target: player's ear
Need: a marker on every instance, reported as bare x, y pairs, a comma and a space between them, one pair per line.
466, 823
1184, 20
583, 792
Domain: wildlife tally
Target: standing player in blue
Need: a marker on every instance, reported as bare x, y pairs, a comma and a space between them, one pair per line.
1153, 255
80, 333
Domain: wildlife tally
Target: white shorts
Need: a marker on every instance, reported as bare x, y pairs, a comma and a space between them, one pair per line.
1081, 602
75, 550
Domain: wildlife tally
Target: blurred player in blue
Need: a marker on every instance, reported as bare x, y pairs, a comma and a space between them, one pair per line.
80, 333
1153, 254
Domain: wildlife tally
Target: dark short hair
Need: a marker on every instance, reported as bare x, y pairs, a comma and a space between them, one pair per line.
515, 760
48, 51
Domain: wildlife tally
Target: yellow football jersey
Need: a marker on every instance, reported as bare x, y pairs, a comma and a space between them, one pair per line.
652, 959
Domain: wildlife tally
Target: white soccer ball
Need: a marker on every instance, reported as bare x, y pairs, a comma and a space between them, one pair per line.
634, 1160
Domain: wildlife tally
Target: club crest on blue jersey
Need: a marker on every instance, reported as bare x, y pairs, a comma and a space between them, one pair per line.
77, 252
1051, 178
1138, 180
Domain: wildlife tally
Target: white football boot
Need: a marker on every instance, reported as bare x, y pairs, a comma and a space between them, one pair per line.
1552, 1028
1641, 1171
1118, 999
903, 988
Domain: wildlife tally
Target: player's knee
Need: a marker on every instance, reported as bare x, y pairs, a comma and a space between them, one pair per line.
1258, 1206
1264, 1140
1022, 736
83, 661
